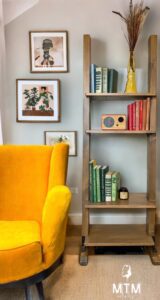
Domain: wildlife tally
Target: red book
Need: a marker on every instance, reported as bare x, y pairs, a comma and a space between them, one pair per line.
130, 116
134, 115
137, 115
148, 114
144, 114
140, 114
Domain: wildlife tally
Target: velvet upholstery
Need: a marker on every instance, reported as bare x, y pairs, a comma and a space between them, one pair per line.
34, 202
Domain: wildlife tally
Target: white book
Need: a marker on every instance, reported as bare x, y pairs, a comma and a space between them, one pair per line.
108, 186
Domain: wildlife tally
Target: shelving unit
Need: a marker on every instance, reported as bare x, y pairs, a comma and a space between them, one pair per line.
120, 235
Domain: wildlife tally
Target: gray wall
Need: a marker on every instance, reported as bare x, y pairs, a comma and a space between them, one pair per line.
126, 154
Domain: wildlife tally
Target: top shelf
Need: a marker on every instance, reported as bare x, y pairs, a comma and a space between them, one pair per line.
121, 95
152, 71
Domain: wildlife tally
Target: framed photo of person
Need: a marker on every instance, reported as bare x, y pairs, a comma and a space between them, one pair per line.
48, 51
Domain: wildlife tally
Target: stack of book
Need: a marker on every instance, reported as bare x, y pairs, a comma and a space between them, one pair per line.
139, 115
103, 183
103, 79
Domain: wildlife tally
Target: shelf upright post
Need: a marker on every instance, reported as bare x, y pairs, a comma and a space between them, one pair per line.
86, 145
151, 150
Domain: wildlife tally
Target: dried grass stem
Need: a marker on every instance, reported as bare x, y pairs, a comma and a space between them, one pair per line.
134, 20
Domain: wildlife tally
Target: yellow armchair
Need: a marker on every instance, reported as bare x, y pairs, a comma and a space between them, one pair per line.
34, 203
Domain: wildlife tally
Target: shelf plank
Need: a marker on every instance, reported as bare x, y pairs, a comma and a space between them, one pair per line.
135, 201
121, 96
118, 235
99, 131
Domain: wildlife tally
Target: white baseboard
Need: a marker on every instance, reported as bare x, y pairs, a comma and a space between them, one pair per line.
129, 218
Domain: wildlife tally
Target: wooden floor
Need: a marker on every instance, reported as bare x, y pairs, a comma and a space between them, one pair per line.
73, 239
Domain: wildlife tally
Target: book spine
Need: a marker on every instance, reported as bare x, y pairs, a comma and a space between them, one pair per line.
108, 188
134, 115
140, 114
115, 81
93, 78
112, 81
130, 117
144, 114
94, 184
102, 180
137, 115
98, 185
148, 114
108, 80
91, 191
90, 182
98, 80
103, 172
104, 80
115, 186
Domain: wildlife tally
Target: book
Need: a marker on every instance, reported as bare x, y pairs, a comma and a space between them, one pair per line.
148, 114
130, 116
112, 80
104, 80
137, 115
103, 171
98, 183
93, 78
134, 115
115, 185
144, 114
94, 184
98, 80
140, 114
92, 163
108, 186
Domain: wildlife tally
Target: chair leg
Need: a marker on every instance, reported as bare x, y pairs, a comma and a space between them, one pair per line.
62, 259
28, 293
39, 286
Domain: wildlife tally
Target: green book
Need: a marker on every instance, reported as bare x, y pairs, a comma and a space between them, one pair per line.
103, 172
104, 80
115, 185
92, 163
108, 186
98, 183
94, 184
112, 80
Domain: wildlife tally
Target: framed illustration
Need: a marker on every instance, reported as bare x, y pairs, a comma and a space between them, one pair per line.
49, 51
69, 137
38, 100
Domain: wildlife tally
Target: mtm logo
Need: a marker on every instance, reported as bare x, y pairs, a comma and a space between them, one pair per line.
126, 289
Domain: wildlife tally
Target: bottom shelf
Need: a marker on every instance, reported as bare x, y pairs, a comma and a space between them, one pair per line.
118, 235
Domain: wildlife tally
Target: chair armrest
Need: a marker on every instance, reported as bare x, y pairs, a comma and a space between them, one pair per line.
54, 215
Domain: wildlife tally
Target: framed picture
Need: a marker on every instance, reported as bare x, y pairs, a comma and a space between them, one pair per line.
49, 51
38, 100
69, 137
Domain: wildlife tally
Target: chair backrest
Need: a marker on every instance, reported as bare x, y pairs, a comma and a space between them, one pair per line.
26, 175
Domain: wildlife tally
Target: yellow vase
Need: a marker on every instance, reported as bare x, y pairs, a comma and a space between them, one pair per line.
131, 76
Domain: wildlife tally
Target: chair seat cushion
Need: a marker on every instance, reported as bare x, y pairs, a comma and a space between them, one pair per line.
15, 234
20, 250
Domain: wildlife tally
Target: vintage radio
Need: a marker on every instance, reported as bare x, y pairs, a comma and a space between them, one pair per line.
114, 122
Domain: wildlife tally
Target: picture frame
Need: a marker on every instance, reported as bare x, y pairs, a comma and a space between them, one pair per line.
48, 51
38, 100
69, 137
